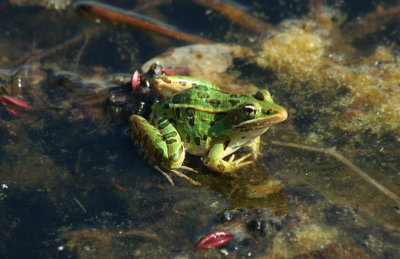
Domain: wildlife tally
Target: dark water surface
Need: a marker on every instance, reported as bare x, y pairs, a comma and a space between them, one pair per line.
72, 185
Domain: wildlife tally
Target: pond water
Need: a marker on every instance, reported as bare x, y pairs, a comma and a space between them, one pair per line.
325, 182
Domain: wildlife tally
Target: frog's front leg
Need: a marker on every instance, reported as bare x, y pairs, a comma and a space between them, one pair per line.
215, 159
161, 142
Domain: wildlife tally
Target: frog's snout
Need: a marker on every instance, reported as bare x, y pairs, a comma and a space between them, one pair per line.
281, 115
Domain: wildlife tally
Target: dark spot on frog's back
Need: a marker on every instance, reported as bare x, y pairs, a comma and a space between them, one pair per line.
191, 122
162, 126
203, 95
235, 95
170, 135
220, 116
214, 102
178, 113
197, 141
162, 120
190, 112
201, 88
162, 123
172, 121
170, 141
234, 102
178, 98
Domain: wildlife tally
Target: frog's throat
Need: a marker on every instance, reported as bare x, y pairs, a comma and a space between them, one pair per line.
264, 122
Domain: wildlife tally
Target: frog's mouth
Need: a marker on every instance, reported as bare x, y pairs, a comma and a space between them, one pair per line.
264, 122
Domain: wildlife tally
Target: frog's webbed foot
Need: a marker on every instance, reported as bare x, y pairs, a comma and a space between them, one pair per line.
240, 160
215, 160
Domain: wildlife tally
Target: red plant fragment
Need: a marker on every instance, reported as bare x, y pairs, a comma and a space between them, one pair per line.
135, 80
119, 187
14, 106
214, 239
166, 71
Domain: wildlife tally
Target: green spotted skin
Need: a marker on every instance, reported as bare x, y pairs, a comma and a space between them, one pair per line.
166, 86
203, 121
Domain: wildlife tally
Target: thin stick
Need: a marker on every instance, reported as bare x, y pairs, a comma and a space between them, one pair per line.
27, 58
80, 52
79, 204
151, 4
141, 233
78, 161
371, 22
136, 20
341, 158
236, 15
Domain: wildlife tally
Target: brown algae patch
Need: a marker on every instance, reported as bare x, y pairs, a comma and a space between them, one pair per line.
306, 54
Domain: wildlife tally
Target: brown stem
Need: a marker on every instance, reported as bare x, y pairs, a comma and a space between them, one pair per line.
151, 4
371, 23
119, 15
236, 15
27, 58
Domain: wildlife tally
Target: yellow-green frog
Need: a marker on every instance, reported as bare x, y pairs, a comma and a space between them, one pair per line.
196, 117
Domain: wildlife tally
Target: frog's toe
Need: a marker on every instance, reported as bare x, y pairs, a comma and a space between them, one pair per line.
187, 178
228, 166
239, 161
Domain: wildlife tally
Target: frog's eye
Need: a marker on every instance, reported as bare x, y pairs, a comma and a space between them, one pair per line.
250, 110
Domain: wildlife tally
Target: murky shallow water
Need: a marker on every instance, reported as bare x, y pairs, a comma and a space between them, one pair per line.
72, 184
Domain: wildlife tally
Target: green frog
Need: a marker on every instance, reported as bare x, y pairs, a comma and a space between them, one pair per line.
195, 116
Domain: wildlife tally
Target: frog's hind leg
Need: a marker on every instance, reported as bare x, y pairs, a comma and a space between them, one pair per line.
161, 143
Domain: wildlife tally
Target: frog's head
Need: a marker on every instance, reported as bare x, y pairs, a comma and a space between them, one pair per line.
258, 112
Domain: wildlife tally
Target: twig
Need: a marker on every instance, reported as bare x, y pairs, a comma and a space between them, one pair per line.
236, 15
79, 204
140, 233
341, 158
78, 161
136, 20
80, 52
371, 23
27, 58
151, 4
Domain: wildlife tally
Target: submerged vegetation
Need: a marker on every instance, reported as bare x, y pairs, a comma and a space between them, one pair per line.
325, 183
